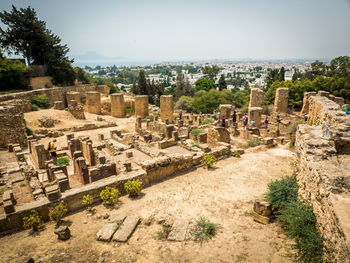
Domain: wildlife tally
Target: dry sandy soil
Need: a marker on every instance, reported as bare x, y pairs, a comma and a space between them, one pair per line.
225, 195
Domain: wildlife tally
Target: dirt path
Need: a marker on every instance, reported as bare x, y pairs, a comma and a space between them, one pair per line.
225, 195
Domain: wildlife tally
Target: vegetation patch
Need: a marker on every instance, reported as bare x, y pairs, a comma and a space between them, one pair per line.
58, 212
33, 220
129, 110
209, 160
133, 188
150, 117
236, 154
87, 201
63, 160
164, 232
35, 107
110, 195
253, 143
196, 132
207, 121
204, 229
41, 101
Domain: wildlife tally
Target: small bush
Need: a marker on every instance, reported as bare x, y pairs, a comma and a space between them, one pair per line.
110, 195
236, 154
58, 212
33, 220
29, 131
63, 160
282, 192
204, 229
150, 117
207, 121
253, 143
113, 89
129, 110
41, 100
164, 232
208, 160
133, 188
197, 132
87, 200
35, 107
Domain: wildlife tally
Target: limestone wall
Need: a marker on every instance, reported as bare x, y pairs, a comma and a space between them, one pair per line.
225, 110
41, 82
166, 108
141, 106
324, 179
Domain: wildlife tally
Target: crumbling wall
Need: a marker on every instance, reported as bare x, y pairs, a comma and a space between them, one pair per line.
225, 110
281, 100
216, 135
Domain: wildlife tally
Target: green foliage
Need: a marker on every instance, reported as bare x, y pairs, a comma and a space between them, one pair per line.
87, 200
206, 121
196, 145
253, 143
41, 100
196, 132
129, 110
58, 212
63, 160
35, 107
11, 74
150, 117
236, 154
208, 160
83, 76
184, 103
282, 192
133, 188
222, 83
142, 84
29, 131
204, 229
62, 73
109, 195
164, 232
209, 101
210, 71
205, 84
33, 220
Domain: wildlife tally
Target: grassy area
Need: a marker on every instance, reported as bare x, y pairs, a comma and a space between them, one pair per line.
253, 143
197, 131
207, 121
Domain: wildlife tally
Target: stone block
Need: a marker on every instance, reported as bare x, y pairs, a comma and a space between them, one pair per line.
126, 229
93, 102
58, 105
101, 137
129, 154
166, 108
62, 179
261, 219
179, 230
8, 207
127, 166
256, 98
117, 105
141, 106
281, 100
52, 192
262, 208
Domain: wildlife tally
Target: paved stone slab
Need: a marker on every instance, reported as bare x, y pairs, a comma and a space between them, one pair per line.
179, 229
106, 232
126, 229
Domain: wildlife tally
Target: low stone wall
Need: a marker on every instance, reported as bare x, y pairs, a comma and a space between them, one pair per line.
41, 82
324, 180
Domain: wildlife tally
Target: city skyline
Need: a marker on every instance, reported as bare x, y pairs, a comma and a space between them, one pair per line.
199, 30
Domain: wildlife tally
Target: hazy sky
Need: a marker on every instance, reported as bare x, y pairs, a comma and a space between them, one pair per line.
194, 29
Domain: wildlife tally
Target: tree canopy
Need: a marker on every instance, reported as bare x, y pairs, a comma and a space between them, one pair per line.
210, 71
205, 84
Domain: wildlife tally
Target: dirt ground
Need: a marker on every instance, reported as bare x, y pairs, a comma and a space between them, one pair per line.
225, 195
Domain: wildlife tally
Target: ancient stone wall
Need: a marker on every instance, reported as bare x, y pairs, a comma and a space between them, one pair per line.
166, 108
12, 128
281, 100
225, 110
103, 89
254, 114
93, 102
117, 105
41, 82
40, 154
216, 135
76, 109
256, 98
141, 106
305, 108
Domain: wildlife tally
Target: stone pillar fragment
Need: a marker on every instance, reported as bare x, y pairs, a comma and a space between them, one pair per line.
141, 106
256, 98
117, 105
254, 114
281, 100
166, 108
93, 102
225, 110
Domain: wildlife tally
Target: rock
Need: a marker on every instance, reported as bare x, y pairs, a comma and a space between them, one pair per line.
126, 229
326, 132
46, 122
63, 233
106, 216
179, 229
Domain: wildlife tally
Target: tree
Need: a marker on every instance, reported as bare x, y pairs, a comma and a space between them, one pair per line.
281, 74
142, 83
210, 71
222, 83
189, 91
180, 84
11, 74
205, 84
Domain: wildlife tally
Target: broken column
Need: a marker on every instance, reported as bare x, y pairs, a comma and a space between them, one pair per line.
166, 108
305, 108
254, 114
93, 102
225, 110
117, 105
256, 97
141, 106
138, 124
281, 100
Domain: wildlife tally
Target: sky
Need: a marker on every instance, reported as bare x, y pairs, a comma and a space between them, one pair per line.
197, 29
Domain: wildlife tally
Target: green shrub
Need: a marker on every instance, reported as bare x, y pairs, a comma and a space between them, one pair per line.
113, 89
208, 160
207, 121
204, 229
29, 131
282, 192
197, 132
129, 110
58, 212
41, 101
110, 195
87, 200
35, 107
236, 154
63, 160
33, 220
164, 232
133, 188
253, 143
150, 117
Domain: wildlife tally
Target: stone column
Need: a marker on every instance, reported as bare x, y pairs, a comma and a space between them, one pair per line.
93, 102
281, 100
254, 114
166, 108
256, 97
225, 110
141, 106
305, 108
117, 105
